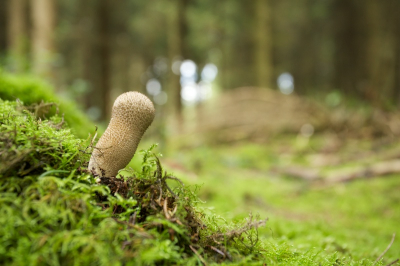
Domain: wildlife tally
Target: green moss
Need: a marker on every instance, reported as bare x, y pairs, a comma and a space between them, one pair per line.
32, 91
53, 212
314, 223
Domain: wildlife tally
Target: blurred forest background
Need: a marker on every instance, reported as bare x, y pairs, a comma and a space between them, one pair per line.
96, 49
316, 82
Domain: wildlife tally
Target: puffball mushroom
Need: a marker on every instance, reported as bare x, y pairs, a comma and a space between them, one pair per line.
132, 114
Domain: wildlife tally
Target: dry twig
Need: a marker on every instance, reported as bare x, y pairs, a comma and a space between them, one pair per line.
198, 255
393, 262
218, 251
386, 250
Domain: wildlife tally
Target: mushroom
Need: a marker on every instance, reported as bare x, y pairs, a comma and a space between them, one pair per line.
132, 114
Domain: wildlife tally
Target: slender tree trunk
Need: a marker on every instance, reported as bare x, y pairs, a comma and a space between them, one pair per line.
3, 25
358, 49
85, 51
396, 87
183, 27
396, 36
345, 46
373, 83
263, 42
306, 55
104, 15
43, 19
177, 47
174, 53
183, 51
225, 71
17, 33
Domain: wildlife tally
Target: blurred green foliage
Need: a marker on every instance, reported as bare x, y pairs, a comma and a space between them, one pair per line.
351, 222
32, 91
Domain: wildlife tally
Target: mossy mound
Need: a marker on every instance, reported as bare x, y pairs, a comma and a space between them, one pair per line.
53, 212
34, 91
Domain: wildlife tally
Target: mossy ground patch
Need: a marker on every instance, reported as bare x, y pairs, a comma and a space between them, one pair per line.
54, 212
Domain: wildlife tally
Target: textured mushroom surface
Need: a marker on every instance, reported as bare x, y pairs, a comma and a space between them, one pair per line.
132, 114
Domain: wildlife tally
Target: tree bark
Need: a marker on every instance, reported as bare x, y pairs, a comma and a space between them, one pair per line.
43, 20
374, 71
358, 49
345, 46
174, 53
396, 43
17, 33
177, 47
3, 30
104, 52
263, 44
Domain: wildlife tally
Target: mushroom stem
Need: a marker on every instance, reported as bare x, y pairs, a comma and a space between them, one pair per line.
132, 114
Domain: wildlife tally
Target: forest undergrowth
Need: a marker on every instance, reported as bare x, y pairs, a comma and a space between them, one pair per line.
54, 212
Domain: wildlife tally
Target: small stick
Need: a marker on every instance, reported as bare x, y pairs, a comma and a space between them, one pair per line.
393, 262
170, 190
166, 209
132, 219
386, 250
173, 178
159, 198
198, 255
218, 251
174, 210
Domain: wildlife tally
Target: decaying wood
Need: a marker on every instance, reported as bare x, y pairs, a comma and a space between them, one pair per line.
308, 174
375, 170
369, 171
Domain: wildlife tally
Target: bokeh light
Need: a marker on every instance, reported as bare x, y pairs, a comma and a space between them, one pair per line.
153, 87
209, 72
189, 93
286, 83
188, 68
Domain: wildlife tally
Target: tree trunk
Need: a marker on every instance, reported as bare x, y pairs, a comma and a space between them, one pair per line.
122, 50
104, 15
43, 20
17, 33
396, 46
86, 40
263, 44
396, 87
372, 79
358, 49
3, 25
345, 46
177, 48
174, 53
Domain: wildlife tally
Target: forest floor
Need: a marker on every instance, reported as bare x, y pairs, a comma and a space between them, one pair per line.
322, 195
330, 197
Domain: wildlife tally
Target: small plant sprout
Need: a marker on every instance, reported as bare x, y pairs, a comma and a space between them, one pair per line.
132, 114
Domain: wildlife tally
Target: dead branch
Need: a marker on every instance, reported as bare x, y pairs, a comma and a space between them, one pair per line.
375, 170
218, 251
370, 171
393, 262
308, 174
386, 250
198, 255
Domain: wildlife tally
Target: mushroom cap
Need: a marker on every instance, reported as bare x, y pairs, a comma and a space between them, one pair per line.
132, 114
